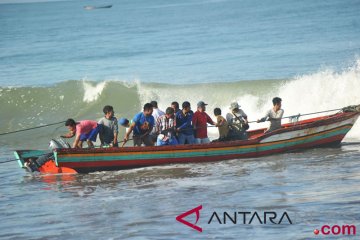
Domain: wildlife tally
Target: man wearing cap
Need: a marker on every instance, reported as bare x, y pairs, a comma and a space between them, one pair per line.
238, 123
200, 120
184, 126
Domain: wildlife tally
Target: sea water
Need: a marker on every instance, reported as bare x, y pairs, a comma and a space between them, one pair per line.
58, 60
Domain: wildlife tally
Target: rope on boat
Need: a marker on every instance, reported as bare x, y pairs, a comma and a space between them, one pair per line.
352, 108
15, 159
10, 160
27, 129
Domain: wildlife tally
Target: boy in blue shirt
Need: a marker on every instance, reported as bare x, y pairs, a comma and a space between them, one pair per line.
141, 126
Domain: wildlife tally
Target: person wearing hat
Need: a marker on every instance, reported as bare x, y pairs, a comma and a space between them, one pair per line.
238, 123
184, 127
200, 120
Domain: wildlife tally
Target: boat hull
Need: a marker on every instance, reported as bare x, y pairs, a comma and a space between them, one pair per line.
317, 132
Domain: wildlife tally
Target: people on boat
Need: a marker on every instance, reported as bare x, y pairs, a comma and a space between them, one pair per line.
274, 115
200, 120
141, 126
156, 114
85, 130
109, 129
175, 106
165, 126
223, 126
238, 123
184, 127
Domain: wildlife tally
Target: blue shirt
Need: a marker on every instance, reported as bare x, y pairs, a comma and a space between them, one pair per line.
139, 120
185, 122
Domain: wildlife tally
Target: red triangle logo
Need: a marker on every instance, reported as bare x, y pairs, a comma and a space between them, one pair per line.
181, 217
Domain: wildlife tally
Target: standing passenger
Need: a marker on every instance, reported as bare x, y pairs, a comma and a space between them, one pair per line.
109, 130
274, 115
142, 125
156, 114
200, 120
184, 125
175, 106
222, 125
238, 123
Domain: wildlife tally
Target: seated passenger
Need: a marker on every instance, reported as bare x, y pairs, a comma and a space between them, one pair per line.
222, 125
274, 115
85, 130
238, 123
141, 126
165, 126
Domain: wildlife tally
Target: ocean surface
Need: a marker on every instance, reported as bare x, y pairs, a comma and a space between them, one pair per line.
58, 60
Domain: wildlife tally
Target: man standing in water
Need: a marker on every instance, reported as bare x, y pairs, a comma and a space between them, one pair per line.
274, 115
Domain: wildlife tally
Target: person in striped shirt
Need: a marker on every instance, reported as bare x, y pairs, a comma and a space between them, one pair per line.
165, 126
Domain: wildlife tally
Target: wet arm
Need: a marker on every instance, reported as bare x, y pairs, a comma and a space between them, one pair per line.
129, 131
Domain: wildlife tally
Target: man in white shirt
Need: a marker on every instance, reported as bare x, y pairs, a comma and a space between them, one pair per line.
274, 115
156, 114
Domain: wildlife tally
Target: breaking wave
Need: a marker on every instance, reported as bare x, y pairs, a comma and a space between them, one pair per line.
23, 107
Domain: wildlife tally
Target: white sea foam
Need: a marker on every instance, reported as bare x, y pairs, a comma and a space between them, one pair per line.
326, 89
92, 91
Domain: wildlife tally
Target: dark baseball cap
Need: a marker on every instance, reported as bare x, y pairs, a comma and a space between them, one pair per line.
201, 104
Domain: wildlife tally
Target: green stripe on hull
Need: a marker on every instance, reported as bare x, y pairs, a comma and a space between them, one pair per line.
208, 152
27, 154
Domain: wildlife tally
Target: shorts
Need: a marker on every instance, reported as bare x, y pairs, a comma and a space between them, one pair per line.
90, 135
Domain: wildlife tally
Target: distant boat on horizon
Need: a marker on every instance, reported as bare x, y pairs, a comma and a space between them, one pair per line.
97, 7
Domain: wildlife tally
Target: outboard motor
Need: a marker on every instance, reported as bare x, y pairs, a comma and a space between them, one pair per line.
33, 164
58, 143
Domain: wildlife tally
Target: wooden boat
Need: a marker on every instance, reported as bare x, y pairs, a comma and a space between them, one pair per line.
315, 132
